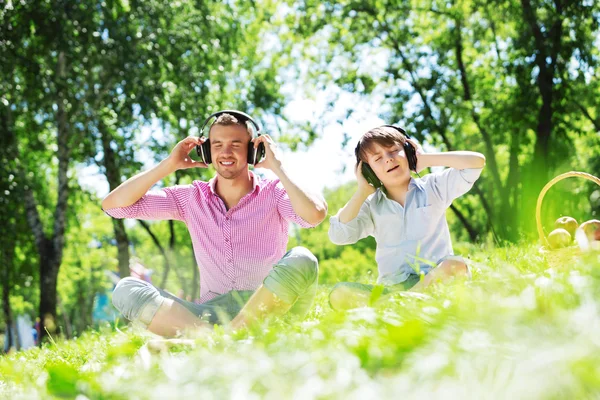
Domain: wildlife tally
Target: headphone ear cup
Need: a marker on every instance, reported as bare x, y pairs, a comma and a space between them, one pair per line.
260, 152
204, 151
251, 153
411, 156
255, 155
370, 176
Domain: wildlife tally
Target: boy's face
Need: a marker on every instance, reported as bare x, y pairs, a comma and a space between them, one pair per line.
229, 150
389, 164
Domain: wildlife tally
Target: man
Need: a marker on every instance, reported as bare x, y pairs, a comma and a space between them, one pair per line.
407, 216
239, 228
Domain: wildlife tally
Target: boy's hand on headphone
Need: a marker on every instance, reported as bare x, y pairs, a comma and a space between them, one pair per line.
416, 145
180, 155
363, 185
418, 151
272, 158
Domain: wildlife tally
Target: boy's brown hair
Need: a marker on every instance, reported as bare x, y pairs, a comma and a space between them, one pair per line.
384, 136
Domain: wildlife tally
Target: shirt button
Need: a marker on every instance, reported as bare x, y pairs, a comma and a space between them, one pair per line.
226, 218
227, 239
229, 260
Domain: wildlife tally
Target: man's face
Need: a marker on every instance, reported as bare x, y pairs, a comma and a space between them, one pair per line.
229, 150
389, 164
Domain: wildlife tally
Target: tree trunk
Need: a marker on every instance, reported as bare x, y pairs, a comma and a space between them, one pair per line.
160, 248
49, 267
114, 180
8, 167
470, 230
7, 262
67, 320
547, 43
50, 250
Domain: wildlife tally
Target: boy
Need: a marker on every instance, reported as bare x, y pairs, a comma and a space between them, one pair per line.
405, 215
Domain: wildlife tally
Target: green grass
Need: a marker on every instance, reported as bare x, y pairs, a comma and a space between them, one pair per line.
522, 328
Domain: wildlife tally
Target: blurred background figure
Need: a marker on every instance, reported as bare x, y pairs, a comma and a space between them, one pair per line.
138, 270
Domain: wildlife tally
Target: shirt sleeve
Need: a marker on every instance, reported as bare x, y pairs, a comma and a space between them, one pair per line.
352, 231
284, 206
167, 203
452, 183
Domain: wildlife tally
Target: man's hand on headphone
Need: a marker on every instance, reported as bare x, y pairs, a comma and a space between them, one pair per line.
180, 155
363, 185
272, 158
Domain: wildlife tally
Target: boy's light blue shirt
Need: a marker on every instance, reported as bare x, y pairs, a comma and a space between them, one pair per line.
411, 238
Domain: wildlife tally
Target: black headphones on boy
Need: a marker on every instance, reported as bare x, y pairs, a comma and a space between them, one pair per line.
254, 155
409, 150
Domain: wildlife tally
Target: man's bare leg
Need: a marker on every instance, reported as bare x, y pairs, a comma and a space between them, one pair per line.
172, 318
262, 303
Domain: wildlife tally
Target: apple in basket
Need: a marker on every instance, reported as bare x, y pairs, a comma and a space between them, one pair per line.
559, 238
591, 229
569, 224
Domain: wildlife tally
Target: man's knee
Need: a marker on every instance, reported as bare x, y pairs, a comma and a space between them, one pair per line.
303, 261
294, 275
136, 299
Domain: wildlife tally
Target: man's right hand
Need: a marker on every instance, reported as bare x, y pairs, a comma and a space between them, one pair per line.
180, 155
363, 186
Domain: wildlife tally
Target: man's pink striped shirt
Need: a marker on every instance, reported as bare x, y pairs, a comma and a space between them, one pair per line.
235, 249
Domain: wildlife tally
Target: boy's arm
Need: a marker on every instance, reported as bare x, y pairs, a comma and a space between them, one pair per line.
135, 187
353, 222
310, 207
451, 159
464, 168
353, 230
351, 209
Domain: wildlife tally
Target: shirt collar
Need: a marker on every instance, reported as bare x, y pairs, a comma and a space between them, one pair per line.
212, 184
412, 184
416, 183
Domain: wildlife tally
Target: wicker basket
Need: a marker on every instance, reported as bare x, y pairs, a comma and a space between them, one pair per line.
564, 255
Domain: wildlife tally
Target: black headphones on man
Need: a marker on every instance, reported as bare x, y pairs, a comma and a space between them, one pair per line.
254, 155
409, 150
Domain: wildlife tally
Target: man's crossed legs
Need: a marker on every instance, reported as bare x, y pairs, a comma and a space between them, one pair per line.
290, 286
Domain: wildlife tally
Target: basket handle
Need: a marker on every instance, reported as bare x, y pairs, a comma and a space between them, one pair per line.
538, 207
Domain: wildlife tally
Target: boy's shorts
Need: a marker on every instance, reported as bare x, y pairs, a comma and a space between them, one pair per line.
412, 280
406, 284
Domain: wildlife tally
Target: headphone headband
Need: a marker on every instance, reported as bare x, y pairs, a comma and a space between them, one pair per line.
401, 130
241, 116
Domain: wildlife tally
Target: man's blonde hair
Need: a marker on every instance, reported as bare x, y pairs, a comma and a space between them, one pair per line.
228, 120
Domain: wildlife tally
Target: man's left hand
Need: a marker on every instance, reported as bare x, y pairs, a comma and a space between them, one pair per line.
272, 158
